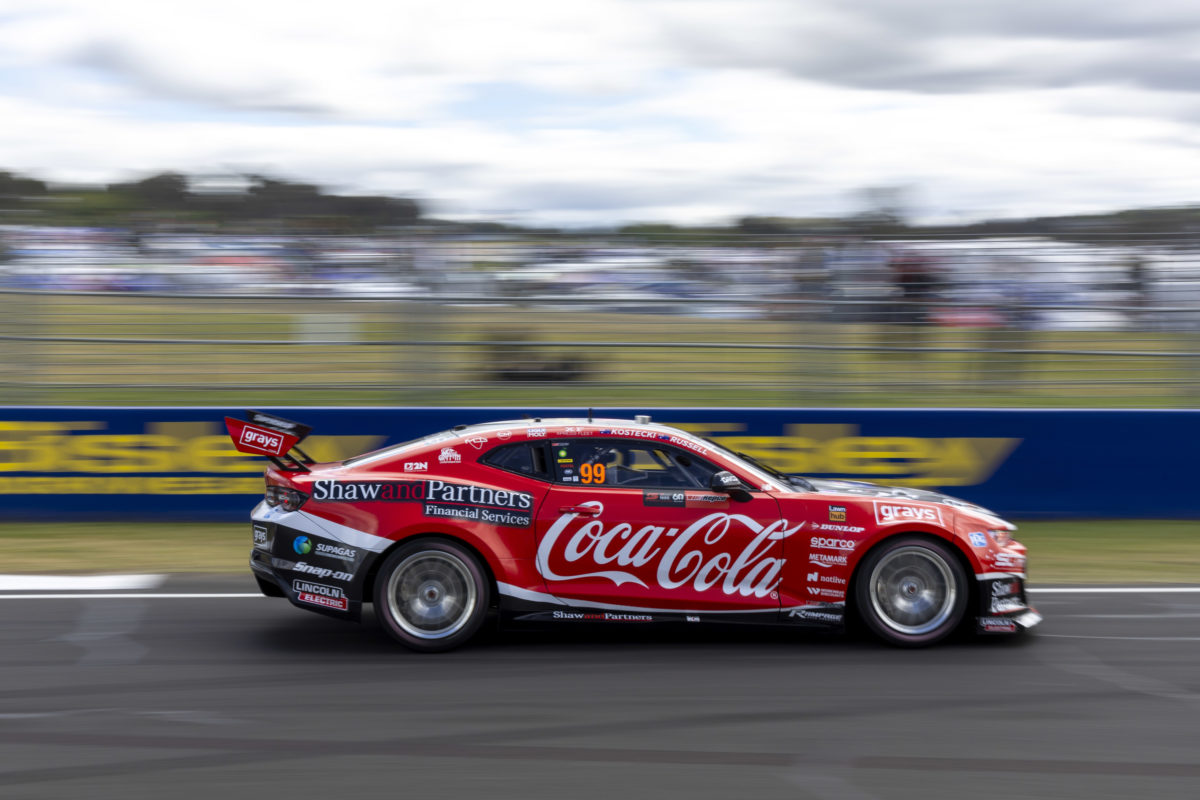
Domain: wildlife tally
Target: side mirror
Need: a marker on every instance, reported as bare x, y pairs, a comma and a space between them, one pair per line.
727, 482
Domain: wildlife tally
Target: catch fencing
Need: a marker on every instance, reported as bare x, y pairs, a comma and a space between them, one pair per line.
518, 320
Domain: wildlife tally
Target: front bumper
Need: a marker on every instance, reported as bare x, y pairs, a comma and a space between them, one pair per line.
1003, 607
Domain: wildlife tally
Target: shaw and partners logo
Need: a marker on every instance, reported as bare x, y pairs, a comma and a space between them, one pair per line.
262, 439
732, 553
457, 501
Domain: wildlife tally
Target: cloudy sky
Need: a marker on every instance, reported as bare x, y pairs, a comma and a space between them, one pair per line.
579, 112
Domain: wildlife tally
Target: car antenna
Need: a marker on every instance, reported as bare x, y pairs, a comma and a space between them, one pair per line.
589, 416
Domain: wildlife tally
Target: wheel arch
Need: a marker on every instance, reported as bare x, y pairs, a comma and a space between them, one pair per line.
368, 591
955, 546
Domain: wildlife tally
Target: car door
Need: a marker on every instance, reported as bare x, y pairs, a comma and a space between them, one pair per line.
631, 523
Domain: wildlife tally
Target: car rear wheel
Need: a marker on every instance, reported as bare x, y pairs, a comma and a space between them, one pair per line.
431, 595
911, 592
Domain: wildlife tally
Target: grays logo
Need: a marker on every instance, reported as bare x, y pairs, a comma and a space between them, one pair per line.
886, 513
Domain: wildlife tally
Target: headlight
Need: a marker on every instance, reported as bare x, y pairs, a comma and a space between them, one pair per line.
1002, 538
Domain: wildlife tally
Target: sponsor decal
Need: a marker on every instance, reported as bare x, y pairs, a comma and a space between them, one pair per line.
688, 443
536, 433
678, 499
1004, 588
322, 572
477, 442
503, 435
478, 504
978, 538
1011, 561
602, 616
634, 432
416, 466
818, 577
336, 551
302, 545
440, 498
318, 594
690, 618
823, 614
997, 625
260, 535
886, 512
827, 543
1003, 605
674, 499
449, 455
827, 559
821, 591
728, 480
262, 439
837, 513
698, 556
832, 526
361, 491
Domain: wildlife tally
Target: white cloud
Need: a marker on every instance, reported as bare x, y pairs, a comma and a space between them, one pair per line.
596, 111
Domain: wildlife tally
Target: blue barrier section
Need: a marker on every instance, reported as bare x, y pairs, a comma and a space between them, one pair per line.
177, 463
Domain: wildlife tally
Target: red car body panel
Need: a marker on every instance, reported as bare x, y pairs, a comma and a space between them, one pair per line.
561, 541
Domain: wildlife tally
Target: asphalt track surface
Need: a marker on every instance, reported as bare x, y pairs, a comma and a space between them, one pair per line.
232, 697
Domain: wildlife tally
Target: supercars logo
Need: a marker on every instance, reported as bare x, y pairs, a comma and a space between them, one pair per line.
886, 513
262, 439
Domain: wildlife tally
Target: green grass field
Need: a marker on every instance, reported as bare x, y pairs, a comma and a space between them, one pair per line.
1108, 551
406, 352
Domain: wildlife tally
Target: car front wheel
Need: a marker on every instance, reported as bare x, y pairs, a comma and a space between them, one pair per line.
431, 595
912, 592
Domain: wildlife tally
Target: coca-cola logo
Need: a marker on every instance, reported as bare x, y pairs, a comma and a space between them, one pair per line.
703, 556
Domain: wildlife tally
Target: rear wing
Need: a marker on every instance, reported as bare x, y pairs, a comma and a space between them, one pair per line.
271, 436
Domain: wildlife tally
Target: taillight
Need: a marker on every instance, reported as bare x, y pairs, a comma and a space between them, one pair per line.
285, 498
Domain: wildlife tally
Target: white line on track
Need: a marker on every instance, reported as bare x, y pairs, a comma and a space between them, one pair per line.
1121, 638
79, 583
128, 595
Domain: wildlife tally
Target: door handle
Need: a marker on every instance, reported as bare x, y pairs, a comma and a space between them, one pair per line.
589, 510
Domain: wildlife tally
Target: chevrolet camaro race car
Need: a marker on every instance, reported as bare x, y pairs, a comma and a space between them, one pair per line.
615, 521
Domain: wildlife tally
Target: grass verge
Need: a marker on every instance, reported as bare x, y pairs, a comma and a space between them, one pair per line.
1094, 551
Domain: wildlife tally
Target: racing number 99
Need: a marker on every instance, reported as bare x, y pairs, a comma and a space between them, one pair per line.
591, 473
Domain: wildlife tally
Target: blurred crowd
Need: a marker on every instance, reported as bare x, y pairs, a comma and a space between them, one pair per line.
1012, 282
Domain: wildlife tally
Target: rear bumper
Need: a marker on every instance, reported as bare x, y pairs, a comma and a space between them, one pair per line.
314, 573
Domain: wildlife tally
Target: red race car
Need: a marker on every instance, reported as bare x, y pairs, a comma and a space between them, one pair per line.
615, 521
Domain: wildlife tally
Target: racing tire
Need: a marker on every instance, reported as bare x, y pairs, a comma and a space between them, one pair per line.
911, 591
431, 595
